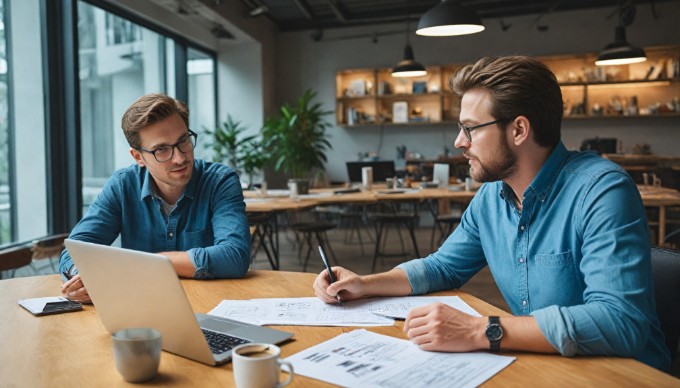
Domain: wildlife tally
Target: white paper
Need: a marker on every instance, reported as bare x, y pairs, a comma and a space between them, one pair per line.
365, 359
312, 311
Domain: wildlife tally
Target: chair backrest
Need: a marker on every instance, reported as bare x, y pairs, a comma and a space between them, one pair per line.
666, 275
48, 247
15, 257
382, 169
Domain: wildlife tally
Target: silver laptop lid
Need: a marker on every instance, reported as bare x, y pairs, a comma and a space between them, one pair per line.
138, 289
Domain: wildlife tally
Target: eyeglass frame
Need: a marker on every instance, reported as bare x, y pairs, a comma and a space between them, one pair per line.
467, 130
173, 146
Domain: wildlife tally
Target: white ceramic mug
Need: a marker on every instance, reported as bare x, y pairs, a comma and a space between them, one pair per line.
259, 366
137, 353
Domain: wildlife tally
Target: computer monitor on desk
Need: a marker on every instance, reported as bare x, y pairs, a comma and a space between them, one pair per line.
382, 169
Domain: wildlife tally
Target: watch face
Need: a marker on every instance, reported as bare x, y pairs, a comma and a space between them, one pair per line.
494, 332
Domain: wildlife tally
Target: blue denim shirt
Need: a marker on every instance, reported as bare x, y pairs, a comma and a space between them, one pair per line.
577, 257
209, 222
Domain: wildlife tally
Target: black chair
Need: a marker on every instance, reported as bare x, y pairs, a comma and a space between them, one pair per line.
666, 275
395, 216
444, 222
317, 229
264, 237
15, 257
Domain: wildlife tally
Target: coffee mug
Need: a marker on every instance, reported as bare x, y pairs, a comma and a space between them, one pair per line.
259, 366
137, 353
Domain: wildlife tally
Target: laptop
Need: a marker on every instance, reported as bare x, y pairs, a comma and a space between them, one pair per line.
138, 289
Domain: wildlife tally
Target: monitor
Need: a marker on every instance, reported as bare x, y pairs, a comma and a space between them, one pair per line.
382, 169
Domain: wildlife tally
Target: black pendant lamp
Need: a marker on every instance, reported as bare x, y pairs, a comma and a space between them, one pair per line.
620, 52
449, 18
408, 67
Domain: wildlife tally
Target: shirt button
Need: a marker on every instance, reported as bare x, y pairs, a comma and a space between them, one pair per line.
521, 227
170, 234
521, 260
524, 303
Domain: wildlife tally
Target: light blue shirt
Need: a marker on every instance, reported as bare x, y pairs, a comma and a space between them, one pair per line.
209, 222
576, 257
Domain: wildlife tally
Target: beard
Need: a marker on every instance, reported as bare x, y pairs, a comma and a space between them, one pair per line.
503, 166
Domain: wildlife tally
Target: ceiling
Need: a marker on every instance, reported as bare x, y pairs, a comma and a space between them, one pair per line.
298, 15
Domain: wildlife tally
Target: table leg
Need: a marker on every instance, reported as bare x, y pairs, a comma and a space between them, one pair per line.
662, 224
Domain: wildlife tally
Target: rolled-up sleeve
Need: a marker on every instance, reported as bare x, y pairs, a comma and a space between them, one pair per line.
229, 257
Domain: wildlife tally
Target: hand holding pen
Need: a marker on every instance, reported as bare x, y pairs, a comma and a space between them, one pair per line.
328, 268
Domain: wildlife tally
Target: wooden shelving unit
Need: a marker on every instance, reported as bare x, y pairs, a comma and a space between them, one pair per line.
367, 97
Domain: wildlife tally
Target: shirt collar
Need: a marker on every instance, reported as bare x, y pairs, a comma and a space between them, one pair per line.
545, 178
148, 188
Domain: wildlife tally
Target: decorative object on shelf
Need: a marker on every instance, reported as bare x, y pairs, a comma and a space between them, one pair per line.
408, 67
449, 18
419, 87
357, 88
620, 52
400, 112
297, 138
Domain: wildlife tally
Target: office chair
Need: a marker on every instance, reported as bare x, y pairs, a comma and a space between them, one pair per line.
49, 248
396, 217
15, 257
666, 275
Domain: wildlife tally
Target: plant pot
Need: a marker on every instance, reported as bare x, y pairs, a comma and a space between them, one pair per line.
302, 185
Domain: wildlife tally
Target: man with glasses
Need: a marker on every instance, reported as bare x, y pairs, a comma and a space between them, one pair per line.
563, 233
186, 209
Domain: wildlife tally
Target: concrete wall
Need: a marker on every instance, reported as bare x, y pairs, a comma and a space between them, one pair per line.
303, 63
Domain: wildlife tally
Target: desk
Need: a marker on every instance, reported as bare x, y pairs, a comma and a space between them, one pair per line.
75, 349
660, 197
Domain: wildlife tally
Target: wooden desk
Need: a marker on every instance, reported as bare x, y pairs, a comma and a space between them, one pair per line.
75, 349
662, 198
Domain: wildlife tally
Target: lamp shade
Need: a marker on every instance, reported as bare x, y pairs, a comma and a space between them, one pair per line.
449, 18
620, 52
408, 67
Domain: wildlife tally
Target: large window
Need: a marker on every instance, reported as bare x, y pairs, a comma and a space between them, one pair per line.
201, 72
119, 61
5, 206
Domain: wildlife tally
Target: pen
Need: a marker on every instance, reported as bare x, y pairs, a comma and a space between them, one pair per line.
66, 275
328, 268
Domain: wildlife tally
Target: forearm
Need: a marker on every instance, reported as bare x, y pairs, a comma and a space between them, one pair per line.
391, 283
521, 333
181, 262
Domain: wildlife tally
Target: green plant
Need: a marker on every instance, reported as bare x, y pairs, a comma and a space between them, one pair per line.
245, 154
297, 138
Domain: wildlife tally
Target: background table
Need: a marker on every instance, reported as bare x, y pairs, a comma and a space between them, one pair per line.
74, 349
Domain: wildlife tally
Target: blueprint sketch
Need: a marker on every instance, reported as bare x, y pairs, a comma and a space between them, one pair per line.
364, 359
311, 311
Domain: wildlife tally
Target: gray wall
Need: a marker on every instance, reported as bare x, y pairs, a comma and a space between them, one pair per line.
303, 63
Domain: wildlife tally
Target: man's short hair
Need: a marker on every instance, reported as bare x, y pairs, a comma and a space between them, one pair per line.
149, 109
519, 86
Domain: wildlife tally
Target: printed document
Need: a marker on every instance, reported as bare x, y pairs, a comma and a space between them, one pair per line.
311, 311
365, 359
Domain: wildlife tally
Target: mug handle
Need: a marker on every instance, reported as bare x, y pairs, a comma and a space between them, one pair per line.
291, 373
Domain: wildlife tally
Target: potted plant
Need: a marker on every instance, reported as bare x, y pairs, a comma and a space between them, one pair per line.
245, 154
297, 140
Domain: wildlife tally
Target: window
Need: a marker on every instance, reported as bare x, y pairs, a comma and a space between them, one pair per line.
119, 61
201, 72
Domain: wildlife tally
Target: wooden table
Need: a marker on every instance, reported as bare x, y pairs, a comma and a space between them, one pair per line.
74, 349
662, 198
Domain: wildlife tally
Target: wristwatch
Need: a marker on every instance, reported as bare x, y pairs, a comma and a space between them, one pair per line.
494, 333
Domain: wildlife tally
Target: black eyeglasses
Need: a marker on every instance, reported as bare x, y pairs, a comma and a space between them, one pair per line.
466, 130
166, 152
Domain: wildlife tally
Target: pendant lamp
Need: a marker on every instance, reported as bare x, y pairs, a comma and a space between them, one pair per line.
620, 52
449, 18
408, 67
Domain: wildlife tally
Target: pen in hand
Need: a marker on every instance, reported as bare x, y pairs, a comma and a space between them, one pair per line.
328, 268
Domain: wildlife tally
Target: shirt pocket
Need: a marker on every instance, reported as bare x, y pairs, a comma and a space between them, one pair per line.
199, 239
553, 279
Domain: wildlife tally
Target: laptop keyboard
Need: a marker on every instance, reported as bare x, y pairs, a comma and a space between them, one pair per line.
220, 343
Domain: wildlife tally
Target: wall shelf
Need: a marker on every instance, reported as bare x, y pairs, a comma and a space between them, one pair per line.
651, 89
